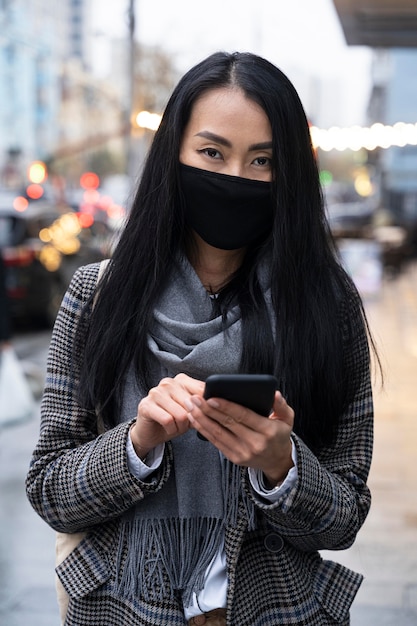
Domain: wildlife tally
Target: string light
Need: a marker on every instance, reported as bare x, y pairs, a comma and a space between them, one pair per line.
358, 137
144, 119
353, 138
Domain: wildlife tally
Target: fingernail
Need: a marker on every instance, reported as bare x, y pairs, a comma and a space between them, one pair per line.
189, 405
213, 403
196, 400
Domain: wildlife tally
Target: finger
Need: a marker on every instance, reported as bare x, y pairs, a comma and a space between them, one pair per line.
178, 389
235, 416
240, 444
152, 413
169, 412
282, 410
222, 438
193, 386
215, 419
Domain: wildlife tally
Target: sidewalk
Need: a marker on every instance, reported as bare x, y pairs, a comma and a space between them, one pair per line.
27, 595
385, 550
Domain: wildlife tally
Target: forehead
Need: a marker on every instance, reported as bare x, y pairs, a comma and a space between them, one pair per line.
227, 110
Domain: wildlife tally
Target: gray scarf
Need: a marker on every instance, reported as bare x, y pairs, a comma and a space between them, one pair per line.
173, 534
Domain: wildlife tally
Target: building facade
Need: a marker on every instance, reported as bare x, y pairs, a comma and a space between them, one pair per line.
394, 99
37, 36
390, 29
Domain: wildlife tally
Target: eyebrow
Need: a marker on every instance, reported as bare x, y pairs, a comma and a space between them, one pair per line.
213, 137
265, 145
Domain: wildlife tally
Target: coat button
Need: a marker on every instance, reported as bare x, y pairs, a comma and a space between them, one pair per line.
273, 543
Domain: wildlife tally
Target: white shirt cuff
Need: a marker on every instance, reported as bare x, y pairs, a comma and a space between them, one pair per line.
137, 467
257, 481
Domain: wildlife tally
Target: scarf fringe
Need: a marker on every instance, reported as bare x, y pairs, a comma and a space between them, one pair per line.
166, 556
234, 496
158, 558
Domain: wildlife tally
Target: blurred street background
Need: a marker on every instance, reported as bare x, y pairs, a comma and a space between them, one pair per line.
83, 86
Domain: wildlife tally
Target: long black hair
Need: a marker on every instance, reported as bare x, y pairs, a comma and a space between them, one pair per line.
312, 296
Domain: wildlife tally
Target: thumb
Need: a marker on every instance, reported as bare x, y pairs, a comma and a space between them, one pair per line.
281, 410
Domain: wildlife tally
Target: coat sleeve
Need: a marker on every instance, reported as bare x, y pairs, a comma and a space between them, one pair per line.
327, 506
78, 478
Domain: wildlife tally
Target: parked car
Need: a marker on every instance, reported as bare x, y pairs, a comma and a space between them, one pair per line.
350, 219
42, 246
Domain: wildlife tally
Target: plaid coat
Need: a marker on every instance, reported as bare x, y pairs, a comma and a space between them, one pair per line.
79, 480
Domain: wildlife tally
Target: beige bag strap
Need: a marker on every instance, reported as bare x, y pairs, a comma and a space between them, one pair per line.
65, 543
101, 270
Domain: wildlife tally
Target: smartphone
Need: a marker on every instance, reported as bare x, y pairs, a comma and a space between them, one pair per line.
254, 391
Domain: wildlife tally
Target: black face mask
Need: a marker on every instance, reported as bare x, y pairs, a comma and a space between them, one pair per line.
228, 212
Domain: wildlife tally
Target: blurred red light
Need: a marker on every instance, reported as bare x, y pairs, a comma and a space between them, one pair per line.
89, 180
34, 191
18, 257
85, 219
115, 212
105, 202
20, 204
91, 196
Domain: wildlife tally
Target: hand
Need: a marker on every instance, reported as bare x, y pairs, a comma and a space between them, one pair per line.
163, 414
245, 437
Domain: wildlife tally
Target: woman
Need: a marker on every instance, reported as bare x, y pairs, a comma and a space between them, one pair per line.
225, 265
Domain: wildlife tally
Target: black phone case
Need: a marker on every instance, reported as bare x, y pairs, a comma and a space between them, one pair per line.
254, 391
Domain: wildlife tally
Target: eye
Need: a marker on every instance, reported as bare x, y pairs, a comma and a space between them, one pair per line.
263, 161
212, 153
